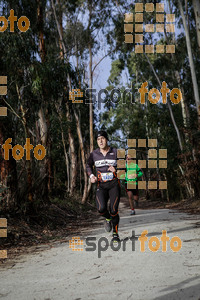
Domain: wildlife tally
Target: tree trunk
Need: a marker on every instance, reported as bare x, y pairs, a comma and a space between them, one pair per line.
147, 135
61, 29
91, 85
184, 108
191, 62
68, 115
45, 165
196, 7
72, 154
64, 148
27, 135
40, 23
8, 176
43, 127
165, 177
169, 106
91, 78
189, 191
174, 123
80, 138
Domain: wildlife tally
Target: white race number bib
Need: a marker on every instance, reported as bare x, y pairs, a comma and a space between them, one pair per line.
106, 176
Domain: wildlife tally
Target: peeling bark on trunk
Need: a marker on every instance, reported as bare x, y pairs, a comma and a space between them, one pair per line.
80, 138
43, 127
72, 155
45, 165
184, 107
189, 190
45, 168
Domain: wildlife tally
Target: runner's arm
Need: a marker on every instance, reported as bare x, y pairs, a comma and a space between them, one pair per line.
90, 165
139, 172
113, 168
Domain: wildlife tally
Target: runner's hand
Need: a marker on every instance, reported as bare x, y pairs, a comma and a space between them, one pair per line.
93, 179
111, 168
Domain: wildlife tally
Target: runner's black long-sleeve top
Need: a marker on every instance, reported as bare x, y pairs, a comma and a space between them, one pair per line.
101, 162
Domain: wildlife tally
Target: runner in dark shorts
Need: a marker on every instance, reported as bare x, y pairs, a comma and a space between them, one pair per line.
135, 192
108, 185
133, 172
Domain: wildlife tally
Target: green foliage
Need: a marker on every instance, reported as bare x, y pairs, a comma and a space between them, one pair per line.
133, 120
42, 80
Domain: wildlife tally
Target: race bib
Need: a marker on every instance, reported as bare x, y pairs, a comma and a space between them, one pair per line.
106, 176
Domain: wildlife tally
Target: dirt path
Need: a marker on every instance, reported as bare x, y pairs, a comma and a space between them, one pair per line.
60, 273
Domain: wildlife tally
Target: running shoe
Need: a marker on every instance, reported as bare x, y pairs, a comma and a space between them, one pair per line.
115, 238
132, 212
108, 225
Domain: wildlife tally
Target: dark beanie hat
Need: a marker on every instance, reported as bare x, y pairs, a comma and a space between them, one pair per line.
102, 133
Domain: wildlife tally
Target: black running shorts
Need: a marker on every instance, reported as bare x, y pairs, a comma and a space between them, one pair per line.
135, 191
108, 190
